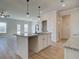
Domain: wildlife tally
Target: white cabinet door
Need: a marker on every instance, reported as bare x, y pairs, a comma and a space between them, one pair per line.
40, 42
49, 39
45, 41
71, 54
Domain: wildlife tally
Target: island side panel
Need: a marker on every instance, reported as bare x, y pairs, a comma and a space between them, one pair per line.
71, 54
22, 43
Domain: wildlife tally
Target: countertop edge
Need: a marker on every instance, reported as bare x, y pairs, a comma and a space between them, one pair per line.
72, 48
72, 43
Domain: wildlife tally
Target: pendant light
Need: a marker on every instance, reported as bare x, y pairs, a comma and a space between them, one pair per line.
39, 17
62, 2
4, 14
27, 13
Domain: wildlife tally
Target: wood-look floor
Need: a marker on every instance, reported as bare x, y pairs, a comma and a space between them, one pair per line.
56, 52
6, 52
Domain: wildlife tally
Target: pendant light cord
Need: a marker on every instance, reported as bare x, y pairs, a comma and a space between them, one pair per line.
62, 1
27, 5
39, 11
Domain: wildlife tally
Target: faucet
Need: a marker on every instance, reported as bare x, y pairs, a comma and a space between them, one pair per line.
36, 28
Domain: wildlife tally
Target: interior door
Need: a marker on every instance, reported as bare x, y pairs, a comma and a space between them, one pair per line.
66, 26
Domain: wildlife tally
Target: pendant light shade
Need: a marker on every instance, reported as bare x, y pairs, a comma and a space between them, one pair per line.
28, 15
27, 0
62, 2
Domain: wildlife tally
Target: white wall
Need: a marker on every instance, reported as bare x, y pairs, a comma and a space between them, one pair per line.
74, 22
51, 18
51, 23
12, 25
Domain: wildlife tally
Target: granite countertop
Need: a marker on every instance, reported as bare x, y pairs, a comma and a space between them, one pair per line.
33, 34
27, 35
44, 33
72, 43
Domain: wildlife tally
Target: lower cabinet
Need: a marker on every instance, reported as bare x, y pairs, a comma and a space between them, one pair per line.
71, 54
40, 42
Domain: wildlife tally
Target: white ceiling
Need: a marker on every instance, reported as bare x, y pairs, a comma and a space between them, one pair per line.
17, 8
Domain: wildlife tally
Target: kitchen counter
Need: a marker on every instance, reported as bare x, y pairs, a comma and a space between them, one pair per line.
30, 35
39, 41
72, 43
33, 34
32, 41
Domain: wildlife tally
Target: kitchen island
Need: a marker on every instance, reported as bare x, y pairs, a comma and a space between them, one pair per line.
22, 46
71, 48
35, 42
40, 41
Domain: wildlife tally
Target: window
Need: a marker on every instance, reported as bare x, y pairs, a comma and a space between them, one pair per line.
18, 29
25, 29
2, 27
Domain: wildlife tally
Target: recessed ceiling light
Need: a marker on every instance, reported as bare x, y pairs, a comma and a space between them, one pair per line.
63, 5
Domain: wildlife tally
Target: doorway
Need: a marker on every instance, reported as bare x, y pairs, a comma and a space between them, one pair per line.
65, 29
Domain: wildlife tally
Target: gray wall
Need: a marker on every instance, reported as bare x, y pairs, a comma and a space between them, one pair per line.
12, 25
